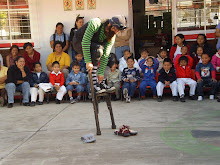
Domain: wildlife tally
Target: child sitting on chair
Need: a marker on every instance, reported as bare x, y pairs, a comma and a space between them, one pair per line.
37, 77
149, 69
114, 78
80, 60
161, 56
123, 61
206, 75
57, 81
75, 80
184, 76
144, 54
184, 51
130, 76
167, 76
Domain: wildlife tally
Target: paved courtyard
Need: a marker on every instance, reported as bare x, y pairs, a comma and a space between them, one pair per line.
168, 134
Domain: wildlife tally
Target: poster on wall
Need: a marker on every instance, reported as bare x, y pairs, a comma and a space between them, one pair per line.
79, 4
91, 4
67, 5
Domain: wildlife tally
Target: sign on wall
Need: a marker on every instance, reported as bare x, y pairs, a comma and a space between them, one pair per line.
91, 4
79, 4
67, 5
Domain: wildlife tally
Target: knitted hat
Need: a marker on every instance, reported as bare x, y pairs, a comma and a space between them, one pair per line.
118, 21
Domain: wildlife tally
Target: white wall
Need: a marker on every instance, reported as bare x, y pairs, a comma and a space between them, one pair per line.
46, 13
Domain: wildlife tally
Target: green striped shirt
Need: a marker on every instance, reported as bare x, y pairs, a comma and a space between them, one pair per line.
93, 27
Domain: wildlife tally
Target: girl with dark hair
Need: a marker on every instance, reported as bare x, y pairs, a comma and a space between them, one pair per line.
10, 59
18, 80
201, 42
78, 24
59, 35
30, 55
176, 48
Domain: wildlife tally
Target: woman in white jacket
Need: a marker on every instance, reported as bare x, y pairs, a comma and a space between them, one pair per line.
123, 61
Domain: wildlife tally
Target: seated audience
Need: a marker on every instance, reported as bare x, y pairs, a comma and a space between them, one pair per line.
18, 80
130, 76
197, 57
123, 61
206, 75
57, 81
184, 76
60, 56
37, 77
10, 59
31, 56
167, 77
149, 69
160, 57
216, 61
3, 77
75, 80
201, 42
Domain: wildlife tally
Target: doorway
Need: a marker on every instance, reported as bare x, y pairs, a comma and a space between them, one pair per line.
152, 25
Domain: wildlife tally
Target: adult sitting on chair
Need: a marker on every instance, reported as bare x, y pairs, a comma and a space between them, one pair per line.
18, 77
60, 56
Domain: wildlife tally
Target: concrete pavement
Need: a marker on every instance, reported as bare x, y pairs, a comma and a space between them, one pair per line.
50, 134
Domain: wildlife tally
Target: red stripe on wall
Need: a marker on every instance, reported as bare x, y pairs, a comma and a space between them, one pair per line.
194, 36
8, 45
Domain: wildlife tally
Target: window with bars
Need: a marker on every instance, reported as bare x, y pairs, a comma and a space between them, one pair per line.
197, 14
14, 20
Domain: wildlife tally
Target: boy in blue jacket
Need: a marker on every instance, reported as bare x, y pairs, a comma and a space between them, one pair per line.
149, 69
130, 76
80, 60
75, 80
36, 78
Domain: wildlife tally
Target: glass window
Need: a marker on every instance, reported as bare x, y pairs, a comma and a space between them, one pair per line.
14, 20
197, 14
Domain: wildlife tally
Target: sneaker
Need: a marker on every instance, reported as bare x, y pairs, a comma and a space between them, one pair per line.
175, 98
182, 99
125, 93
57, 101
2, 101
32, 104
128, 99
72, 101
193, 97
77, 99
26, 104
211, 97
200, 98
40, 103
10, 105
104, 85
99, 90
159, 99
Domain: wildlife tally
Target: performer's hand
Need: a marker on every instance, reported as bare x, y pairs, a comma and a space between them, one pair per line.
100, 78
89, 67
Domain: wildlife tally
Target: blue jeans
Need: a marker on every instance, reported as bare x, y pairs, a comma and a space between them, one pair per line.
119, 51
24, 88
79, 88
145, 83
208, 82
73, 55
131, 87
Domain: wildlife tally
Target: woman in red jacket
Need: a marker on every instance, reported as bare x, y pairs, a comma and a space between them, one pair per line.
31, 56
176, 48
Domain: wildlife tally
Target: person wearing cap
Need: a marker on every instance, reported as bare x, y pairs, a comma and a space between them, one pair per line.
95, 40
122, 42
